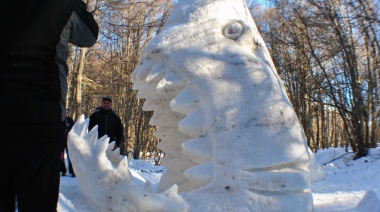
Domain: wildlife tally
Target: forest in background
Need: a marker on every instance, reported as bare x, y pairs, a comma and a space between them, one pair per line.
325, 51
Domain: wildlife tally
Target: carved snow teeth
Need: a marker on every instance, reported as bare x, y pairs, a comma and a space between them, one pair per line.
151, 104
171, 140
201, 174
199, 149
169, 147
169, 133
155, 74
165, 117
144, 70
137, 86
170, 83
295, 180
178, 163
144, 91
138, 68
185, 102
181, 181
143, 94
193, 124
98, 177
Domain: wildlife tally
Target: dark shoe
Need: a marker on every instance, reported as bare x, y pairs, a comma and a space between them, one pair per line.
72, 175
63, 174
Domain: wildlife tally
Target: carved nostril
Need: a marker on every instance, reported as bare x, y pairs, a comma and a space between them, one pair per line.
233, 30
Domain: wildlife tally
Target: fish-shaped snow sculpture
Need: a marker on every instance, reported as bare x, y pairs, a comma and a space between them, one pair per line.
216, 96
232, 139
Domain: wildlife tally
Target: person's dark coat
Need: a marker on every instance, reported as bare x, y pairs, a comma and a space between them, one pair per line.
33, 69
109, 123
33, 87
69, 124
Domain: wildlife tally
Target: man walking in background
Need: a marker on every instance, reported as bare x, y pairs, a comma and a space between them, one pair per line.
108, 122
33, 71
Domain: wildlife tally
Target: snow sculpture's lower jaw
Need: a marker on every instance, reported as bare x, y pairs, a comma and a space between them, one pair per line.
253, 194
233, 200
106, 181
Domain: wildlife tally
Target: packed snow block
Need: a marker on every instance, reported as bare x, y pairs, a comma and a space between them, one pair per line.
370, 202
316, 171
174, 161
210, 64
198, 149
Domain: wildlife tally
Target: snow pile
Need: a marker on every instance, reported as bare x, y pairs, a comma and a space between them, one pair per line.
352, 186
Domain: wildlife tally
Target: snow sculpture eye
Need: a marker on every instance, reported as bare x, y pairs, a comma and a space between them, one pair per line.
233, 30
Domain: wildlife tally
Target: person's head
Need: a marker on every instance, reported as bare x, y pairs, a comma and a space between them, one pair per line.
67, 112
106, 103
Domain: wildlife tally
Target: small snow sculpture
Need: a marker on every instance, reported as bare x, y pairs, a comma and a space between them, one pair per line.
232, 139
102, 181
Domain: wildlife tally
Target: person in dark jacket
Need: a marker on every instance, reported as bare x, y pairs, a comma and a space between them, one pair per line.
33, 70
108, 122
69, 124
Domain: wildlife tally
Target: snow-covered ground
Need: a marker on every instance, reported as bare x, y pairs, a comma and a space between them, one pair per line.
349, 185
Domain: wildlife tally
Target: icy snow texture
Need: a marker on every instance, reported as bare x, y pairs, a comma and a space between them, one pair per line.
216, 95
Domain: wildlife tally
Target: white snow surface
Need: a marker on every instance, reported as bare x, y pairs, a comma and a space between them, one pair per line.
349, 185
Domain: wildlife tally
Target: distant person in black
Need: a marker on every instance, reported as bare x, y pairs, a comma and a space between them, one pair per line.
69, 124
108, 122
33, 52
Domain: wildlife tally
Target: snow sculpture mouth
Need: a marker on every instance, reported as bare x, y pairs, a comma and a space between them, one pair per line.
216, 95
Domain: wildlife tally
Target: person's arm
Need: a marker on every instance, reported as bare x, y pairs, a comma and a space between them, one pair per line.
71, 124
92, 122
84, 30
119, 133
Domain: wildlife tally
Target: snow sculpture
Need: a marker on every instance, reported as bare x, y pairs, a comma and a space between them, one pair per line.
232, 139
216, 95
102, 176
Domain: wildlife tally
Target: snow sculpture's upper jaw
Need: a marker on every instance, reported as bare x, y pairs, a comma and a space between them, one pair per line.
194, 17
193, 31
198, 12
203, 51
193, 37
220, 60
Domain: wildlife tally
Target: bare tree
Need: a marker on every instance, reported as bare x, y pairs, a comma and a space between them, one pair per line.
125, 28
317, 47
